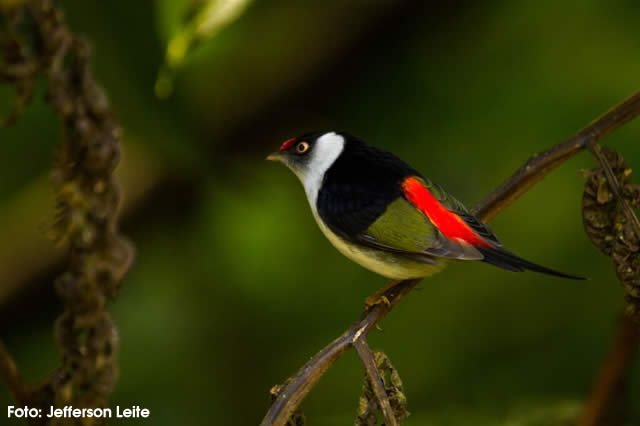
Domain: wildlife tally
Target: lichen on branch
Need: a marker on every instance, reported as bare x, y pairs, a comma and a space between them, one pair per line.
610, 222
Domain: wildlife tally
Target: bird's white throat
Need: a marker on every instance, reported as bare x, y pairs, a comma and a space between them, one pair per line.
326, 151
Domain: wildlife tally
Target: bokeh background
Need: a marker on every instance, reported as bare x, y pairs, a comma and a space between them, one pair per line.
234, 286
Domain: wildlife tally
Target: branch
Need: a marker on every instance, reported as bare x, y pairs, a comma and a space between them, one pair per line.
535, 169
538, 166
616, 188
10, 374
612, 378
86, 220
617, 237
308, 376
366, 356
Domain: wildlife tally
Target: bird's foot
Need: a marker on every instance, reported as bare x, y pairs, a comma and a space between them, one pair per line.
376, 299
379, 297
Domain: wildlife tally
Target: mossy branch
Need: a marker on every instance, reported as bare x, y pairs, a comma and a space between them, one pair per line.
613, 227
38, 44
374, 377
535, 169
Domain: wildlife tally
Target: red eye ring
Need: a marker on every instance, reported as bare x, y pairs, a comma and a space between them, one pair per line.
302, 147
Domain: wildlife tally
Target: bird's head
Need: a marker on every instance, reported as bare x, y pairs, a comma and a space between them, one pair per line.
310, 155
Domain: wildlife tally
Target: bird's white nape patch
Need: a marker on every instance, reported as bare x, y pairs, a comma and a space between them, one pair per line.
326, 150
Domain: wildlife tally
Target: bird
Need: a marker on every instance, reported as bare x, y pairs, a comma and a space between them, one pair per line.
383, 214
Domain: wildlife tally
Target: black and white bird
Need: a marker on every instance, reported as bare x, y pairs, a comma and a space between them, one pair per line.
383, 214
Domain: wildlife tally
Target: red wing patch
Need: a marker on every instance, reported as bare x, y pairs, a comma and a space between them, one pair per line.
449, 223
287, 144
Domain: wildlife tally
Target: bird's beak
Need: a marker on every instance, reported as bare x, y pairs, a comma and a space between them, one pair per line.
275, 156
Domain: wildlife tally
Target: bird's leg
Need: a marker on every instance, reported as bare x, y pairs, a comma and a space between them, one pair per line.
379, 296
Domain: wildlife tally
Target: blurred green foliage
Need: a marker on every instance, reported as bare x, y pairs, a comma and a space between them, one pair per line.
234, 286
189, 23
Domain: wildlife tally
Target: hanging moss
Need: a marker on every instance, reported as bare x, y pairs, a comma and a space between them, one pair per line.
608, 226
38, 45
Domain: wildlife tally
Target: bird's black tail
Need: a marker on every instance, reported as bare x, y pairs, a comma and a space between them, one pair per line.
509, 261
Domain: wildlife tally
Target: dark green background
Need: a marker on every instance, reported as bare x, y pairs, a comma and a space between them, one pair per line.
234, 286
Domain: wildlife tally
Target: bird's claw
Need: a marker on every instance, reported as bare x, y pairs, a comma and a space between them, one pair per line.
376, 300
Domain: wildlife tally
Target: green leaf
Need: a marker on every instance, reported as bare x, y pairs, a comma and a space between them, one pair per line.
198, 21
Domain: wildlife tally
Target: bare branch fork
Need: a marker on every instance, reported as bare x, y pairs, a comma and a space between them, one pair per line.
297, 387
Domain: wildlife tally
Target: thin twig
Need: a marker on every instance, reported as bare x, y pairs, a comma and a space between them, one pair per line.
612, 378
536, 168
10, 374
615, 187
299, 385
366, 356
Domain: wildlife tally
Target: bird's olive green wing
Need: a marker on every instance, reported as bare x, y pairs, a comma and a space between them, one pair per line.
405, 230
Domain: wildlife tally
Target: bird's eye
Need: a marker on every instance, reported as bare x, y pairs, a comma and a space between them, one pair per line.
302, 147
